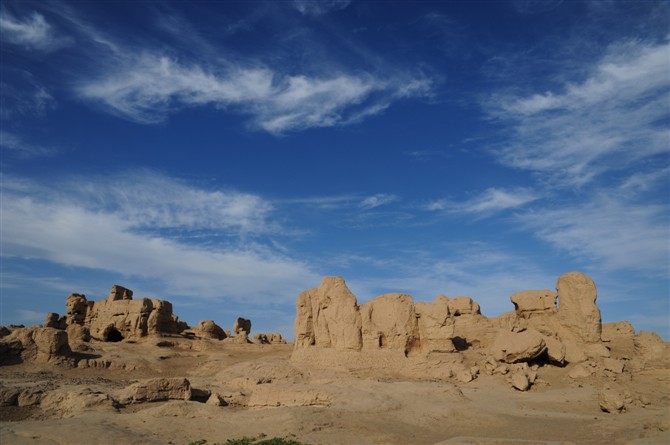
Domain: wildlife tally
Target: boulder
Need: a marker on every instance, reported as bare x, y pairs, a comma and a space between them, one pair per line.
436, 325
578, 312
76, 307
389, 322
242, 325
328, 316
555, 350
616, 330
117, 293
649, 345
155, 390
611, 401
513, 347
209, 329
519, 380
53, 320
533, 301
462, 306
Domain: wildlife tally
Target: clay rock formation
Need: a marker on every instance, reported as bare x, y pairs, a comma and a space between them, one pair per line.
269, 339
545, 327
436, 325
155, 390
328, 317
242, 325
533, 301
513, 347
44, 345
389, 321
578, 311
118, 317
209, 329
53, 320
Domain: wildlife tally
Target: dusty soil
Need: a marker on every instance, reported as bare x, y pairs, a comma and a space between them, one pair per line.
269, 396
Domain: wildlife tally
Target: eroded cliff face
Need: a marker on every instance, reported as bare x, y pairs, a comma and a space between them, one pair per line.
553, 327
120, 317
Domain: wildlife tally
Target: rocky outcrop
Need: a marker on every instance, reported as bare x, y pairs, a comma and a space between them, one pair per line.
436, 325
269, 339
513, 347
242, 325
328, 317
578, 312
156, 390
38, 344
389, 321
209, 329
118, 317
545, 327
529, 302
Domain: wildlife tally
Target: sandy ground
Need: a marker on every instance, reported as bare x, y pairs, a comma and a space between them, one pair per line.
327, 406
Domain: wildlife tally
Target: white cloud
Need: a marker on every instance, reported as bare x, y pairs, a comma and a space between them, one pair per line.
32, 32
374, 201
16, 145
27, 316
75, 231
148, 88
606, 122
490, 201
614, 232
319, 7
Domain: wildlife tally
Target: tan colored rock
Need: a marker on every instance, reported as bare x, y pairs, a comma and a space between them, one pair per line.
72, 401
436, 325
578, 311
117, 293
78, 335
513, 347
389, 322
463, 306
582, 370
155, 390
613, 365
209, 329
216, 399
328, 317
619, 329
272, 395
555, 350
596, 350
519, 380
30, 397
611, 401
53, 320
119, 317
649, 346
533, 301
242, 325
76, 307
9, 396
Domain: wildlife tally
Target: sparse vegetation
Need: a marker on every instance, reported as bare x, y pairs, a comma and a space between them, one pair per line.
253, 441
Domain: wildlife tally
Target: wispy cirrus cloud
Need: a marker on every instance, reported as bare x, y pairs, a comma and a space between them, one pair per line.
32, 32
491, 201
319, 7
15, 145
125, 234
149, 88
606, 122
378, 200
611, 230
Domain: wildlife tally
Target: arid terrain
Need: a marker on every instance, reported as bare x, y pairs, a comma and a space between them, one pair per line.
179, 387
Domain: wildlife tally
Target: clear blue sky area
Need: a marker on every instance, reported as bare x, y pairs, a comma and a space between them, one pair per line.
225, 155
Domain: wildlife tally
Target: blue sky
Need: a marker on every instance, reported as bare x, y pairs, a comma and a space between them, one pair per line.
227, 155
